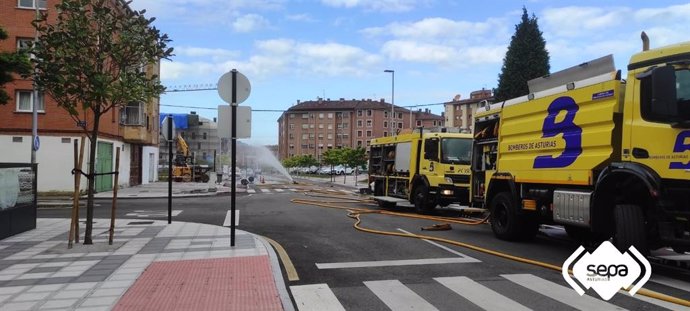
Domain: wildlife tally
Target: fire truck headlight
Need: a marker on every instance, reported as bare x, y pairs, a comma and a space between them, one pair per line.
447, 192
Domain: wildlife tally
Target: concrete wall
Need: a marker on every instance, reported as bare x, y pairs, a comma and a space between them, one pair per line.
149, 165
55, 160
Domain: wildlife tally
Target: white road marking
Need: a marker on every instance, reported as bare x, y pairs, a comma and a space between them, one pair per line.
480, 295
444, 247
654, 301
391, 263
397, 296
264, 190
228, 219
278, 190
560, 293
315, 297
150, 213
251, 191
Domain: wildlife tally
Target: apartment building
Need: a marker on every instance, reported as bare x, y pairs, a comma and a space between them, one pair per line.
133, 128
312, 127
459, 113
424, 118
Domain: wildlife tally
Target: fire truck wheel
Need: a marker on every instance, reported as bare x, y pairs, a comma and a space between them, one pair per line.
630, 228
422, 203
505, 223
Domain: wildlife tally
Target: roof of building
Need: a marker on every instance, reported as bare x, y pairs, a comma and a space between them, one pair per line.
344, 104
427, 115
475, 97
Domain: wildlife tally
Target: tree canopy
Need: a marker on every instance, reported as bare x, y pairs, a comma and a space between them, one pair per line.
92, 59
11, 63
525, 59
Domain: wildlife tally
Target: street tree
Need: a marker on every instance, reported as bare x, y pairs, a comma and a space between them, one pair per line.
11, 64
526, 59
332, 157
92, 60
355, 158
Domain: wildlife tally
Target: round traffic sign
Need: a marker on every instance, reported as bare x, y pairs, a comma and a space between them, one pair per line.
242, 87
37, 143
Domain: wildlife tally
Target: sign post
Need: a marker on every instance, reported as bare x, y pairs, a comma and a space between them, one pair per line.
167, 130
233, 88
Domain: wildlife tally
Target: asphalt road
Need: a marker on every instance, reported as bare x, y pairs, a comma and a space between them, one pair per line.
364, 271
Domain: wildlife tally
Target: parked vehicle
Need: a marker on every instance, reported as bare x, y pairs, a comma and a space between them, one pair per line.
605, 157
426, 168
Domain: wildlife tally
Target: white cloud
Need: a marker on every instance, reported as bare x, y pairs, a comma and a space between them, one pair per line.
300, 17
249, 23
413, 51
215, 54
668, 14
431, 29
574, 21
374, 5
276, 56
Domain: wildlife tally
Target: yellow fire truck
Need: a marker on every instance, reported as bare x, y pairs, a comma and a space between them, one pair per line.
605, 157
426, 168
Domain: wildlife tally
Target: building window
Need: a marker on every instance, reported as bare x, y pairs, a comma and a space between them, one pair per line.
320, 136
25, 101
305, 136
368, 143
399, 115
17, 139
198, 146
360, 113
359, 143
385, 124
292, 136
320, 125
311, 126
292, 146
330, 136
385, 114
292, 116
203, 155
292, 126
193, 135
359, 133
434, 123
24, 44
204, 135
346, 115
369, 113
359, 123
305, 126
132, 114
330, 115
311, 135
399, 125
330, 126
368, 133
29, 4
385, 134
369, 123
321, 115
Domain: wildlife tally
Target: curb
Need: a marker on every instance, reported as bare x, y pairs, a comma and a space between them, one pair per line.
277, 274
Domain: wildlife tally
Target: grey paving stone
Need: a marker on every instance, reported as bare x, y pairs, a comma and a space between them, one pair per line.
61, 280
44, 269
92, 278
20, 282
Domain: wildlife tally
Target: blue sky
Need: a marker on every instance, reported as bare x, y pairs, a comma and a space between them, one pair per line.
304, 49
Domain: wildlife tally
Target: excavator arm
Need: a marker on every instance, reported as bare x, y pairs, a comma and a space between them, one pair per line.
182, 146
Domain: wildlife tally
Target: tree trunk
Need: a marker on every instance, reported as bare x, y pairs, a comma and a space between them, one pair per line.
92, 180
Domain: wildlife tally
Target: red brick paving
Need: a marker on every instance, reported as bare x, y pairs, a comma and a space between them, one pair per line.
239, 283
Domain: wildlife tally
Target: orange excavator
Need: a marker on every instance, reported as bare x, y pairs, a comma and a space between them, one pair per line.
182, 169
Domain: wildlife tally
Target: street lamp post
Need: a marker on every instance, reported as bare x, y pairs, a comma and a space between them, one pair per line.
392, 100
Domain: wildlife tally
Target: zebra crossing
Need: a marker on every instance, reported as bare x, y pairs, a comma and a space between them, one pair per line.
482, 294
268, 190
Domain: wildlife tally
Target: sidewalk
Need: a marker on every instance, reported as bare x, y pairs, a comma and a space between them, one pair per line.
151, 265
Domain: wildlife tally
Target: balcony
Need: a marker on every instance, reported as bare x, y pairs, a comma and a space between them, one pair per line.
133, 120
